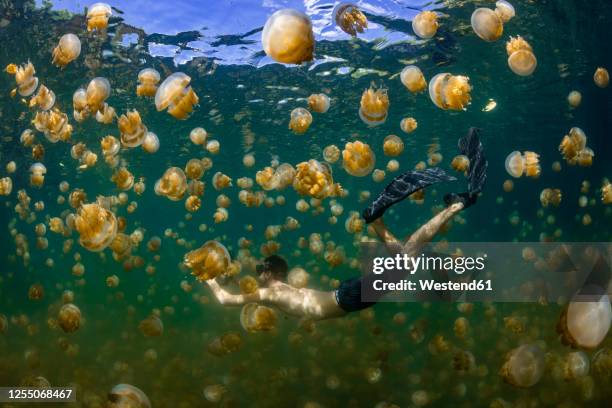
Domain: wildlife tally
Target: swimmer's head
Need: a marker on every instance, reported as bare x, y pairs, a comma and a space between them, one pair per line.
272, 268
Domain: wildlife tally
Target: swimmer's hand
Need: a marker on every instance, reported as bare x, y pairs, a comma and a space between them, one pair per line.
229, 299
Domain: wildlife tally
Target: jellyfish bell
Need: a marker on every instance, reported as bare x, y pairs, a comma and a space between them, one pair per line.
150, 143
172, 185
106, 114
601, 77
127, 396
425, 24
25, 79
358, 159
209, 261
176, 95
287, 37
300, 120
504, 10
198, 136
413, 79
523, 366
68, 49
152, 326
44, 98
574, 98
314, 179
393, 146
97, 226
374, 106
148, 78
586, 320
408, 125
69, 318
521, 59
449, 91
133, 131
318, 103
256, 318
97, 16
350, 19
6, 186
298, 278
98, 90
487, 24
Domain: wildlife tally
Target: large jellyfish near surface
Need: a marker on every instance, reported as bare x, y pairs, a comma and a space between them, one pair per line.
97, 16
586, 320
412, 77
96, 226
287, 37
176, 95
350, 19
127, 396
504, 10
358, 159
425, 24
487, 24
449, 91
374, 106
521, 59
68, 49
524, 366
148, 79
209, 261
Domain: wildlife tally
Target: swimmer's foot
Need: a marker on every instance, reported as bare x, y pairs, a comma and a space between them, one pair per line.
467, 199
471, 147
401, 187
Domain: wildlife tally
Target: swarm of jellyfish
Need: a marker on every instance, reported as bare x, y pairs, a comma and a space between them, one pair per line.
287, 37
526, 164
521, 59
350, 19
425, 24
374, 106
97, 16
148, 79
172, 184
176, 95
67, 50
96, 225
209, 261
256, 318
358, 159
449, 91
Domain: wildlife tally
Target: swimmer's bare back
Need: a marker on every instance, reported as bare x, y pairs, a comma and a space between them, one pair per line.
310, 303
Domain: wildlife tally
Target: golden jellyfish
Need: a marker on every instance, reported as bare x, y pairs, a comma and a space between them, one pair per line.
331, 154
106, 115
504, 10
256, 318
574, 99
37, 174
527, 164
585, 157
148, 79
413, 79
25, 79
123, 179
133, 131
68, 49
152, 326
194, 169
77, 197
248, 285
314, 179
300, 120
209, 261
97, 16
54, 124
198, 136
36, 292
110, 145
172, 185
601, 77
248, 160
127, 396
69, 318
44, 98
585, 322
425, 24
287, 37
193, 203
378, 175
460, 163
298, 278
606, 193
212, 146
79, 104
221, 181
6, 186
112, 281
215, 392
27, 138
521, 59
96, 226
575, 365
523, 366
98, 90
176, 95
550, 196
150, 144
350, 19
393, 146
393, 165
220, 215
318, 103
358, 159
374, 106
408, 125
487, 24
449, 91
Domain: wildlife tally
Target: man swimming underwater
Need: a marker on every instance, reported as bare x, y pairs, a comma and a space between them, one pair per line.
319, 305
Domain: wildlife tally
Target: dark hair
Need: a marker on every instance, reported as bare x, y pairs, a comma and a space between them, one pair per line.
275, 265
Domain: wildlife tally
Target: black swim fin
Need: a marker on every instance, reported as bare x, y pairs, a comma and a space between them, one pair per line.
401, 187
471, 147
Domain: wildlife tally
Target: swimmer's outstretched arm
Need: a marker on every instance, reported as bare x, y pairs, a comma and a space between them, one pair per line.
429, 230
229, 299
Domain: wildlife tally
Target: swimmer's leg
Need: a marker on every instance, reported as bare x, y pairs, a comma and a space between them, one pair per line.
428, 231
